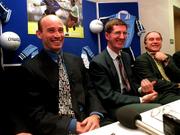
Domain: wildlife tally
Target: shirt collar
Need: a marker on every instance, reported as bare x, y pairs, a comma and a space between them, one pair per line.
150, 54
112, 53
53, 55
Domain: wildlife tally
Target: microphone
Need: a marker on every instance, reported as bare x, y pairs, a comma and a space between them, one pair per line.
132, 119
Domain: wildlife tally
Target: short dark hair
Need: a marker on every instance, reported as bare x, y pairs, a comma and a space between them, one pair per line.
39, 23
145, 37
115, 21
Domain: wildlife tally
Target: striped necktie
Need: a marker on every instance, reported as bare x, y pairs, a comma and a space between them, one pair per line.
124, 78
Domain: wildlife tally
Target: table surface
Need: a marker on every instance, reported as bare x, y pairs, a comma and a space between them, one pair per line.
152, 117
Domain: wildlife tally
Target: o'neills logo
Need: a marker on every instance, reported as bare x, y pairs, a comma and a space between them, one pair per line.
13, 39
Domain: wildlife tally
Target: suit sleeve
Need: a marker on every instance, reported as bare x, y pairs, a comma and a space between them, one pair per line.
144, 68
91, 95
104, 88
43, 120
172, 71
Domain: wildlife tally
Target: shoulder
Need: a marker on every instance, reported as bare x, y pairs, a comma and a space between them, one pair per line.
40, 59
176, 55
71, 56
32, 60
101, 56
142, 56
72, 59
125, 54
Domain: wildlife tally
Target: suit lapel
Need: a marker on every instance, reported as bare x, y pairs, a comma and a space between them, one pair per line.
77, 95
68, 64
111, 66
155, 68
49, 69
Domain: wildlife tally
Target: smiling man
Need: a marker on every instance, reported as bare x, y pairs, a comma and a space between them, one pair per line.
112, 75
60, 98
158, 66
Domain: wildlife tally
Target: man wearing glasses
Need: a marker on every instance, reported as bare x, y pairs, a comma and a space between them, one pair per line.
112, 75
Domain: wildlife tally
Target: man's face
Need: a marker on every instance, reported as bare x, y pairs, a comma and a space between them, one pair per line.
52, 34
153, 42
117, 37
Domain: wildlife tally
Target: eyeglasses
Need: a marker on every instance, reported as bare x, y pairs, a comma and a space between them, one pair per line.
157, 113
118, 33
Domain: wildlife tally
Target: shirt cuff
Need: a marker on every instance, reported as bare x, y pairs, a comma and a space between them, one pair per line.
140, 90
140, 100
97, 113
72, 126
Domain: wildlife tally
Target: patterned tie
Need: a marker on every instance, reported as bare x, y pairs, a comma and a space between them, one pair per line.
65, 104
125, 80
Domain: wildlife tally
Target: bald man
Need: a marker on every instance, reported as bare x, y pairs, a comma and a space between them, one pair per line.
43, 95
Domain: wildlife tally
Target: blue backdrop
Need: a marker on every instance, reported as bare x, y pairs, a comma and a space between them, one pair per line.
18, 24
106, 9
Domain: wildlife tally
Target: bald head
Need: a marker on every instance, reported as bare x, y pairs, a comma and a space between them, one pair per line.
48, 18
51, 32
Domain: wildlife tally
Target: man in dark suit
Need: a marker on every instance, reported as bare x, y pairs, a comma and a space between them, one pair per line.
42, 90
158, 66
108, 80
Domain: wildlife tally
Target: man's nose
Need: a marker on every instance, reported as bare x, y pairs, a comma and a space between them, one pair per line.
58, 34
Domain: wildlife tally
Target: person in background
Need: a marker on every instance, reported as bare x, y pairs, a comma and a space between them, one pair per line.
66, 10
158, 66
176, 58
115, 88
45, 88
69, 14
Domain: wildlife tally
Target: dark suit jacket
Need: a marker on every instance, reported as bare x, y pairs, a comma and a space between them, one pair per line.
41, 93
145, 67
105, 78
12, 118
176, 58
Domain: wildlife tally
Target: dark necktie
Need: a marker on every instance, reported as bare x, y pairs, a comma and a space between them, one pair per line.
65, 103
124, 78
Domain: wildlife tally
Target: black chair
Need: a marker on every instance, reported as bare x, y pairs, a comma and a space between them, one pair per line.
176, 58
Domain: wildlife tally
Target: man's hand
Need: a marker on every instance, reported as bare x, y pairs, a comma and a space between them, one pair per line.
149, 97
24, 134
147, 86
90, 123
160, 56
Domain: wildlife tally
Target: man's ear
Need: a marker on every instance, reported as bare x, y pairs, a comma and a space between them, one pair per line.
145, 45
38, 34
107, 35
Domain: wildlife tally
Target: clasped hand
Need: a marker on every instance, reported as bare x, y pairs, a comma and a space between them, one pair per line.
88, 124
148, 90
160, 56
